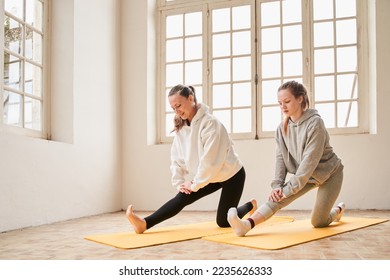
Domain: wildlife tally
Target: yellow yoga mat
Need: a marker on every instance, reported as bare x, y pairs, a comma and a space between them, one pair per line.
285, 235
163, 235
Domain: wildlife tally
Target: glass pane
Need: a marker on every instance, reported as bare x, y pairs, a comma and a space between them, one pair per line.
33, 46
292, 11
323, 34
241, 17
346, 59
221, 70
12, 108
169, 124
345, 8
33, 79
323, 61
15, 7
242, 121
221, 45
12, 71
270, 65
323, 9
271, 118
324, 88
174, 74
193, 48
221, 20
327, 112
242, 95
347, 86
292, 64
241, 68
174, 50
347, 114
193, 73
174, 26
199, 93
292, 37
193, 23
270, 39
221, 96
346, 32
224, 117
34, 13
270, 13
13, 35
241, 43
32, 113
269, 90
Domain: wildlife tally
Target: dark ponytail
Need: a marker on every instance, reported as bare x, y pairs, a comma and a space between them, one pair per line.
185, 91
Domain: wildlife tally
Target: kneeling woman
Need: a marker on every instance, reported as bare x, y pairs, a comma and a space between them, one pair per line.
303, 150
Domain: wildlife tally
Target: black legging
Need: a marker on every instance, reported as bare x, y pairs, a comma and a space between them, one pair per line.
230, 196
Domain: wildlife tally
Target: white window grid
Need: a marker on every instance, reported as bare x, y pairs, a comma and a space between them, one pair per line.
264, 110
281, 56
24, 43
233, 96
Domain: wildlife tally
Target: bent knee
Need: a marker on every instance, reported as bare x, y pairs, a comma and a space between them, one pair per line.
222, 223
319, 224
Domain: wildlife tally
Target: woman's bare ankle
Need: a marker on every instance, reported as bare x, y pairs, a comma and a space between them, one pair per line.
138, 223
254, 203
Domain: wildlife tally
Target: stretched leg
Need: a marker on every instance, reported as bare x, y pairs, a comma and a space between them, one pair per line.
263, 213
169, 209
324, 211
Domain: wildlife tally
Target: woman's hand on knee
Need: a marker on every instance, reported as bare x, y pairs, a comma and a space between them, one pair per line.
276, 195
185, 188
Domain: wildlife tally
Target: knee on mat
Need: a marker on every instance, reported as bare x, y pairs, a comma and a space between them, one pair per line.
319, 224
223, 223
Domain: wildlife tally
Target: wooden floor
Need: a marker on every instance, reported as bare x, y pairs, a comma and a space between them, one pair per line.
65, 241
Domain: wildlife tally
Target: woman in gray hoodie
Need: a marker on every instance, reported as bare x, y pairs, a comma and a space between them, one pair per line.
303, 150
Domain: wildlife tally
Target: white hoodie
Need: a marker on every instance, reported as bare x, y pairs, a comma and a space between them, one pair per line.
203, 152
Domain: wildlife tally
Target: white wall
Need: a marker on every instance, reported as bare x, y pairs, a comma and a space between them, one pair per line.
146, 180
78, 174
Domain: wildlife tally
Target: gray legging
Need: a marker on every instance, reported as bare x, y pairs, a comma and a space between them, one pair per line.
323, 213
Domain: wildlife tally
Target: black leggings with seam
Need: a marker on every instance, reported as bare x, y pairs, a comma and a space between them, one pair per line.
230, 196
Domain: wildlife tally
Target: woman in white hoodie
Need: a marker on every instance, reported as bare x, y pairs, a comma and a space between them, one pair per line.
202, 162
303, 150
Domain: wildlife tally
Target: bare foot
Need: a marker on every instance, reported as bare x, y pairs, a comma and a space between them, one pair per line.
138, 223
254, 203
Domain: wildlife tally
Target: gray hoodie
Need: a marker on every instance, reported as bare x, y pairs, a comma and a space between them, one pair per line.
304, 152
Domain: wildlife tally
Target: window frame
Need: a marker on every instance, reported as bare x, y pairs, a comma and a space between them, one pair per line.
162, 62
307, 62
45, 97
252, 80
362, 73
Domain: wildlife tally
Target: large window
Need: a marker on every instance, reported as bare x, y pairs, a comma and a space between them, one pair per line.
237, 53
23, 88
